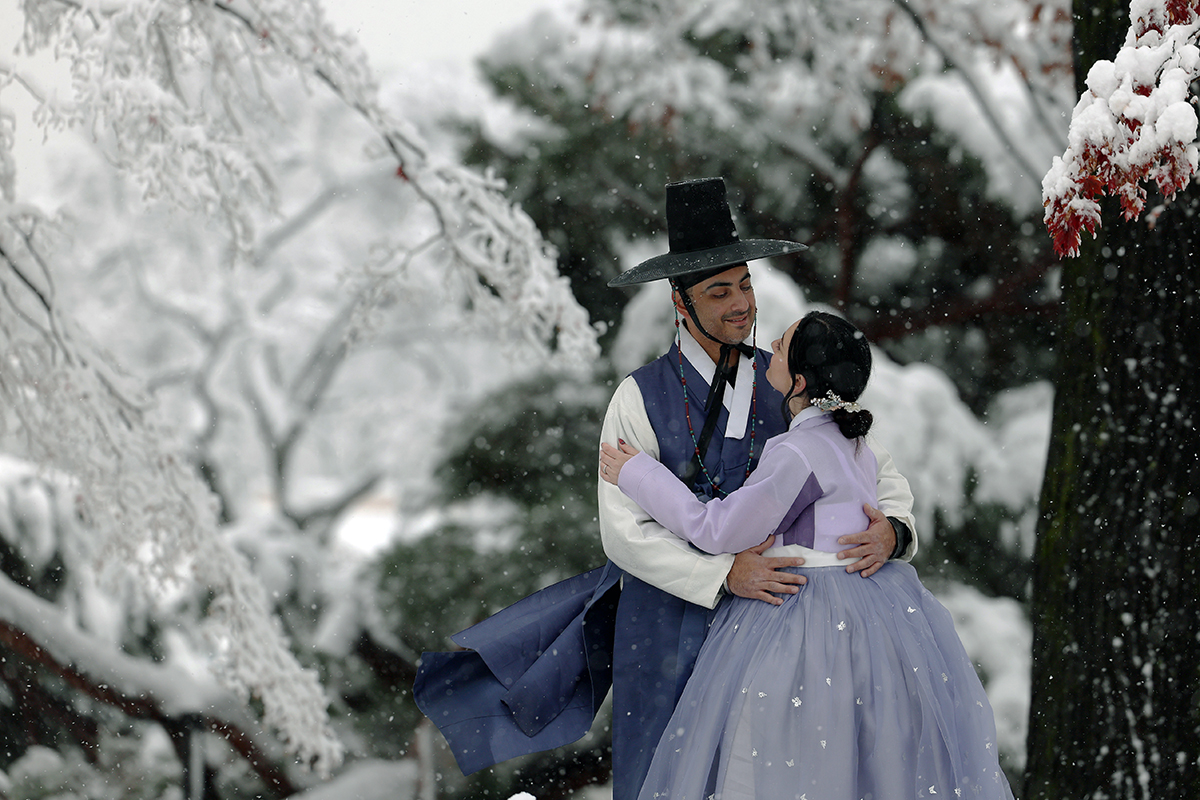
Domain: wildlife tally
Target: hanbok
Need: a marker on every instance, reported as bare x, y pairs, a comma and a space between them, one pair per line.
854, 688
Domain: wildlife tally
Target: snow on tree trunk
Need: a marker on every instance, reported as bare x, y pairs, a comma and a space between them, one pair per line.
1115, 609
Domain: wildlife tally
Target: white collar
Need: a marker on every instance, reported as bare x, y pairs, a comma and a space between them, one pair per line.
806, 413
737, 402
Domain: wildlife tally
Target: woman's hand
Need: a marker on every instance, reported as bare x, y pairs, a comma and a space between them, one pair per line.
612, 459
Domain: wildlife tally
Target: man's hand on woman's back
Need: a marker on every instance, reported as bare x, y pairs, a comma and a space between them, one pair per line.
755, 576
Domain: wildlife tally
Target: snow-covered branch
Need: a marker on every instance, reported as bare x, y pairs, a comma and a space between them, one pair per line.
495, 253
1135, 124
967, 70
191, 134
41, 633
182, 98
145, 506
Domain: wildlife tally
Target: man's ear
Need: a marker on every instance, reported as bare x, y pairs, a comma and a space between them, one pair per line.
677, 296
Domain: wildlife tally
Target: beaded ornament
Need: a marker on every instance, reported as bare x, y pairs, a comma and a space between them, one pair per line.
687, 412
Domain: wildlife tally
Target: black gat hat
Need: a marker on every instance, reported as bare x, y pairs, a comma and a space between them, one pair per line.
703, 239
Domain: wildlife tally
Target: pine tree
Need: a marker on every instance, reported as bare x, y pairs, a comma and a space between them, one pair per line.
823, 117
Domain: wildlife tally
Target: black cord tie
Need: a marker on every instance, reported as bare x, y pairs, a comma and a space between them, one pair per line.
724, 374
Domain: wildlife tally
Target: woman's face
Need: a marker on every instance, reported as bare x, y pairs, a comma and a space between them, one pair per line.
778, 374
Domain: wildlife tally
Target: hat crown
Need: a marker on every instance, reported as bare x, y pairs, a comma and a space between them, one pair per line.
703, 239
698, 216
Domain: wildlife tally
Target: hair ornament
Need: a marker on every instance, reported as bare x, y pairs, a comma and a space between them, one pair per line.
831, 402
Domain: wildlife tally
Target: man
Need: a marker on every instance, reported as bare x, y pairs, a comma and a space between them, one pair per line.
704, 410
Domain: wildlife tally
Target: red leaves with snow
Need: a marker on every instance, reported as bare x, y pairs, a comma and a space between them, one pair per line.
1135, 124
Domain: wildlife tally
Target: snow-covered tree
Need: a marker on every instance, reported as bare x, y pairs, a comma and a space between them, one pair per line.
515, 511
903, 141
152, 327
1113, 712
274, 292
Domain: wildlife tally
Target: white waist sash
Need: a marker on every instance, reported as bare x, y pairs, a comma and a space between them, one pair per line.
812, 558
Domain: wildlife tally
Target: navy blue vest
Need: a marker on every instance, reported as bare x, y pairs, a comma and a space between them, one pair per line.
658, 635
726, 461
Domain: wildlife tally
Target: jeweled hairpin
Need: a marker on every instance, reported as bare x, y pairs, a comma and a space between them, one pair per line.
831, 402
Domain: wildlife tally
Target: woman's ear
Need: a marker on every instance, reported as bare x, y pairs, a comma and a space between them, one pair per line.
799, 385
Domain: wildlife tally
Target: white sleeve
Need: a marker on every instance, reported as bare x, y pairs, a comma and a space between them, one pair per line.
631, 537
895, 496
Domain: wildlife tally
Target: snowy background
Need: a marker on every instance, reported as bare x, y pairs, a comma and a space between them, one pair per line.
383, 451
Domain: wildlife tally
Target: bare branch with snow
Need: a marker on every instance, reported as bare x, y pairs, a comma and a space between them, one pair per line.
175, 94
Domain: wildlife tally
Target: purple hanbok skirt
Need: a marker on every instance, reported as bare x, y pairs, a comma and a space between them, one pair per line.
854, 689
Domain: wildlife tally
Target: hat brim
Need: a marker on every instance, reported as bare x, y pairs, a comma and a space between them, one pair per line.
673, 265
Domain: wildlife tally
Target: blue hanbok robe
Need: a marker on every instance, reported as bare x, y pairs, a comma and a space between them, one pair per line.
537, 672
533, 678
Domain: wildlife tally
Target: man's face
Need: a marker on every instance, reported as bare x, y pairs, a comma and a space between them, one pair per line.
724, 304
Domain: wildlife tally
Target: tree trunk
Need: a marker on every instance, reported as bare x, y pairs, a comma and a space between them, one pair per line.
1115, 711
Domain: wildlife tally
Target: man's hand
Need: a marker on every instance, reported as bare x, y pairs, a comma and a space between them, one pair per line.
754, 576
875, 544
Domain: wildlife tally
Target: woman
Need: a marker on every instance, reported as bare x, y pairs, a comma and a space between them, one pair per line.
854, 687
